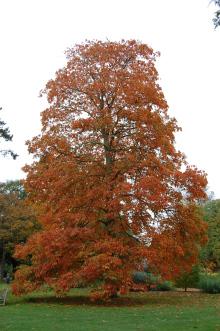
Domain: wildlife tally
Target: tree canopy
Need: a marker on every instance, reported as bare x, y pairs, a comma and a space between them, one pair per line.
5, 135
216, 19
210, 254
110, 187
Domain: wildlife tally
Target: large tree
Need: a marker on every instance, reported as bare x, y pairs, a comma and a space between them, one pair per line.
111, 188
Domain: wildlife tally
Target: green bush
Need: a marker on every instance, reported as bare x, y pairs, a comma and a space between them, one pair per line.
139, 277
165, 286
147, 278
153, 282
210, 283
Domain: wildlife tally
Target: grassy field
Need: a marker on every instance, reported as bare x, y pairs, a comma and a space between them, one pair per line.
158, 311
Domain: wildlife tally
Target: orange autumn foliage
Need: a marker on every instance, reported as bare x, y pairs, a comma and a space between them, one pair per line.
111, 188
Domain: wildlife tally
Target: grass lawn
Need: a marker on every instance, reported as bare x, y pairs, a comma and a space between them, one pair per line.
160, 311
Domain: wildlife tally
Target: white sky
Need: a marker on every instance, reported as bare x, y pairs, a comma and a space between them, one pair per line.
35, 34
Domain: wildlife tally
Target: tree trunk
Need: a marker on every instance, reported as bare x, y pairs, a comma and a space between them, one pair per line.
107, 149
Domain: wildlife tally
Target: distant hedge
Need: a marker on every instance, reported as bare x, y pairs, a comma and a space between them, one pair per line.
210, 283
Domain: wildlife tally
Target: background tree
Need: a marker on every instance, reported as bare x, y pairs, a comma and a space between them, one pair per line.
109, 184
5, 135
17, 220
210, 254
189, 279
216, 19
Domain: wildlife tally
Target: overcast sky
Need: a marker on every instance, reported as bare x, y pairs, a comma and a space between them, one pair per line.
35, 34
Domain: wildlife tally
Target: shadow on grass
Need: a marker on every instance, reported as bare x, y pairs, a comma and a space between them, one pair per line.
137, 299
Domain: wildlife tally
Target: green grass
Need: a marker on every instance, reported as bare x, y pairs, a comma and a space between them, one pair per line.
158, 311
